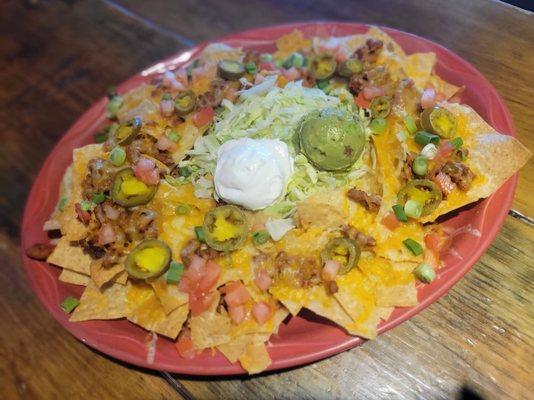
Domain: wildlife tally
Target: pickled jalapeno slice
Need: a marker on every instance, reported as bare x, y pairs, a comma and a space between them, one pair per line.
148, 259
128, 191
231, 69
127, 132
423, 191
380, 107
225, 228
343, 250
323, 67
185, 102
350, 67
440, 121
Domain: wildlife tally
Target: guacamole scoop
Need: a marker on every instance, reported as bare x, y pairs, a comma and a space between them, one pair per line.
331, 139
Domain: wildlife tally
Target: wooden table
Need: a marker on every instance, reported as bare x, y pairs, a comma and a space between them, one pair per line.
57, 57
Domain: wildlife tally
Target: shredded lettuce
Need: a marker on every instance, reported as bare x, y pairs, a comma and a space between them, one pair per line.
267, 111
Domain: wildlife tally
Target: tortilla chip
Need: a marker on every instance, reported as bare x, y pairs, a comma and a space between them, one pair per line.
403, 295
71, 257
235, 348
168, 294
74, 278
101, 275
138, 103
493, 157
189, 133
143, 308
418, 67
65, 190
442, 86
210, 329
215, 52
256, 358
106, 303
323, 210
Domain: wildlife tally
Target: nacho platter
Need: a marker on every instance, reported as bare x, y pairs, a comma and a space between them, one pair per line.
159, 308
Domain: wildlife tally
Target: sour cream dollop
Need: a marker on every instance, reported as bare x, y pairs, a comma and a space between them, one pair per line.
252, 173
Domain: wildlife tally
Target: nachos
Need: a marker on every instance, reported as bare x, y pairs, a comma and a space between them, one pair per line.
233, 192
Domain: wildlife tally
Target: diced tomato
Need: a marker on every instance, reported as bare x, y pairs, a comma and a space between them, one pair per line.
146, 171
428, 98
267, 66
340, 55
106, 234
262, 312
237, 313
444, 182
164, 143
236, 294
390, 221
200, 302
210, 278
196, 268
203, 117
186, 285
291, 74
440, 96
438, 242
263, 280
330, 270
184, 345
370, 92
259, 78
445, 149
361, 101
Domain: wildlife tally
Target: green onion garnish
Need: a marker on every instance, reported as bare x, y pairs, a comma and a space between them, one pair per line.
175, 272
113, 106
117, 156
87, 205
423, 138
413, 246
294, 60
425, 273
62, 203
182, 209
100, 137
266, 57
378, 125
69, 304
98, 198
323, 84
171, 180
199, 231
409, 123
420, 165
399, 213
251, 68
173, 135
278, 63
413, 209
457, 142
166, 96
260, 237
184, 171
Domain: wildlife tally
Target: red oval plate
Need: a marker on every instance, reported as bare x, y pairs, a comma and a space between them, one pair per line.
304, 338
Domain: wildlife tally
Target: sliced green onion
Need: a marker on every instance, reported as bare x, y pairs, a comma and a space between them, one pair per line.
378, 125
420, 165
100, 137
413, 246
399, 213
69, 304
184, 171
117, 156
113, 106
166, 96
423, 138
199, 231
413, 208
182, 209
425, 273
98, 198
266, 57
173, 181
173, 135
62, 203
410, 124
278, 63
87, 205
175, 272
294, 60
260, 237
457, 142
251, 68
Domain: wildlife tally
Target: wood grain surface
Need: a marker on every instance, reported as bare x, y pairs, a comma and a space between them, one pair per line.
57, 57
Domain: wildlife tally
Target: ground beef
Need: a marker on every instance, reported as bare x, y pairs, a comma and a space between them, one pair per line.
459, 173
371, 202
407, 171
40, 251
331, 287
362, 239
368, 53
98, 179
214, 96
297, 271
